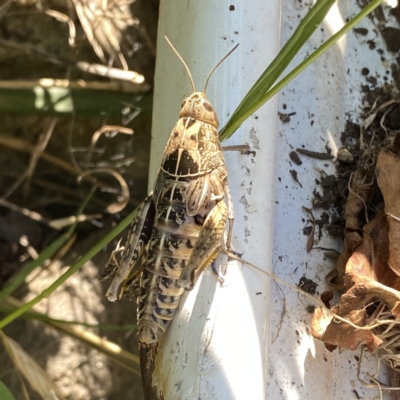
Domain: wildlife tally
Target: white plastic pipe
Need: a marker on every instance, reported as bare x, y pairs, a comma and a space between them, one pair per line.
235, 341
320, 100
216, 346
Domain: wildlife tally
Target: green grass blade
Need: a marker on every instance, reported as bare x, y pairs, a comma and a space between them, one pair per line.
5, 394
309, 60
64, 101
28, 268
112, 350
260, 92
305, 29
45, 254
86, 257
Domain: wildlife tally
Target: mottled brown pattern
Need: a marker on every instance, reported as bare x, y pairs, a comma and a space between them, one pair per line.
190, 218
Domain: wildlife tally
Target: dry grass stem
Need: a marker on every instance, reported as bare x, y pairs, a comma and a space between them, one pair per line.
61, 223
124, 196
104, 24
95, 69
114, 351
46, 83
102, 130
36, 153
65, 19
27, 147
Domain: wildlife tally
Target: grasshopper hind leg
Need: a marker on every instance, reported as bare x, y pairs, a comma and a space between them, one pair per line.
129, 264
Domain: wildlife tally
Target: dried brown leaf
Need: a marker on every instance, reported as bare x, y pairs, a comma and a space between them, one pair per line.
32, 372
363, 270
388, 172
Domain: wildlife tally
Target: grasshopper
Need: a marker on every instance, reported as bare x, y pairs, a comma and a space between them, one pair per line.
180, 226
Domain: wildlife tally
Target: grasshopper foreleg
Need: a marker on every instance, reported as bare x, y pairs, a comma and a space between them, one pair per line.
220, 279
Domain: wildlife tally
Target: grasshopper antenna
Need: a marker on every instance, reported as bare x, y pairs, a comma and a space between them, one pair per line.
216, 66
183, 62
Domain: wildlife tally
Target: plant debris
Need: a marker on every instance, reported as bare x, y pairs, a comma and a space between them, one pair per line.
294, 176
285, 118
315, 154
367, 204
307, 285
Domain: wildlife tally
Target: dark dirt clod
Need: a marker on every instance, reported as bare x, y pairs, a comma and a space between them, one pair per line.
361, 31
295, 158
328, 181
310, 309
365, 71
396, 12
307, 285
294, 176
391, 36
285, 118
393, 118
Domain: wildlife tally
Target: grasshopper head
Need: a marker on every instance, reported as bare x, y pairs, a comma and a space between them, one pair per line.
198, 107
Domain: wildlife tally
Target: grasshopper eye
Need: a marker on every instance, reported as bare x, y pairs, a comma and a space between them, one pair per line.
207, 106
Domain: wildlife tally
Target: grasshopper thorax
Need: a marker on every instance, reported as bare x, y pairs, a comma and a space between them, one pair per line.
198, 107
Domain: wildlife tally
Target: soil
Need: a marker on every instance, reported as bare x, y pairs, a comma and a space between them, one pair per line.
332, 191
52, 192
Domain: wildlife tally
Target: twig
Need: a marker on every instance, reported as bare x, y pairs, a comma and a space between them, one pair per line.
4, 8
315, 154
114, 351
65, 19
57, 224
314, 299
55, 187
47, 83
37, 151
358, 196
283, 313
124, 197
58, 256
35, 155
105, 129
310, 240
28, 213
27, 147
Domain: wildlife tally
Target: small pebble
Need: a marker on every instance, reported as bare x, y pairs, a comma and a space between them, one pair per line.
345, 156
365, 71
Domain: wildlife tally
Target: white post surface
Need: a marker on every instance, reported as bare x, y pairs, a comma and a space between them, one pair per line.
320, 100
216, 346
234, 342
